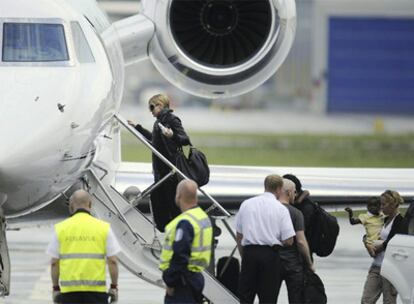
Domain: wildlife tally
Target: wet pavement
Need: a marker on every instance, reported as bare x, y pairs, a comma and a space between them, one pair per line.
343, 272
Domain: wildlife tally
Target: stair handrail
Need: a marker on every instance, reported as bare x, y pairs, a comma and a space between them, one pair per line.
119, 213
166, 161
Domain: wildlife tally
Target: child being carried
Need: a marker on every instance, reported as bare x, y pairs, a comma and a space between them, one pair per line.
373, 220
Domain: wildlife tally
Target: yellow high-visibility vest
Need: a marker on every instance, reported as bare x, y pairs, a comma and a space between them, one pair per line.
82, 253
201, 245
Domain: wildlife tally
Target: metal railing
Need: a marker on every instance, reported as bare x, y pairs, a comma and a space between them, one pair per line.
175, 170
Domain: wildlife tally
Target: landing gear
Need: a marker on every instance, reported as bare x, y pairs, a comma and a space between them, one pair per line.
4, 258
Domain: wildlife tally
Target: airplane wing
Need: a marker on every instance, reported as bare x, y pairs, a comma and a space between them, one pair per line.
331, 187
334, 188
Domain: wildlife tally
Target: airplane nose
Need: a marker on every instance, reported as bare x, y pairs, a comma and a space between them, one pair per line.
29, 166
30, 135
30, 118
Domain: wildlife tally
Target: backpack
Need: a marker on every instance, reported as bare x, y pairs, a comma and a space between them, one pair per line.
314, 290
325, 232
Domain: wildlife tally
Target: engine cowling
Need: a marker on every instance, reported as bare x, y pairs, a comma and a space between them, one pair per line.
220, 48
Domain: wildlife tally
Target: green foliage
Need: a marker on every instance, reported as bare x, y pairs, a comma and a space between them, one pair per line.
294, 150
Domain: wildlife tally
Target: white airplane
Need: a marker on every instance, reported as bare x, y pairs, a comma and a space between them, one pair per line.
61, 84
62, 76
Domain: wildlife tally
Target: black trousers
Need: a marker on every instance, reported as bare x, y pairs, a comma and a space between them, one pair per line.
260, 274
182, 295
293, 275
84, 298
163, 203
188, 293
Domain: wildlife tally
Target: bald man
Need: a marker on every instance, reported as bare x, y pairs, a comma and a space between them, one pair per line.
186, 250
80, 249
293, 258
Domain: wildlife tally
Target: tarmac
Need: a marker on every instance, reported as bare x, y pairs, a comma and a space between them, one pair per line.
343, 272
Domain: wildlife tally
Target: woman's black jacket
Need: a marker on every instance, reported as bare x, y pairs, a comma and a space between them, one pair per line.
398, 227
166, 146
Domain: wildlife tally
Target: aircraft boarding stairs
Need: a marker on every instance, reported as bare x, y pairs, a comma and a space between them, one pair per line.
137, 234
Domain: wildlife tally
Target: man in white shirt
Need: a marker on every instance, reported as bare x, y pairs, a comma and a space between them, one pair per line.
263, 225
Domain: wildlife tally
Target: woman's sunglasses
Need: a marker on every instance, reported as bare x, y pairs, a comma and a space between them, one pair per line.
152, 107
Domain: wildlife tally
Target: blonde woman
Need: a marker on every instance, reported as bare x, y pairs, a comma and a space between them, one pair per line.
375, 284
167, 136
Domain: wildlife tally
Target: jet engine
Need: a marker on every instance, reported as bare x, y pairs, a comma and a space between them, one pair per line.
220, 48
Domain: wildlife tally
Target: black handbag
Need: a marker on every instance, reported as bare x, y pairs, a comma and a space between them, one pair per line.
230, 276
194, 166
314, 290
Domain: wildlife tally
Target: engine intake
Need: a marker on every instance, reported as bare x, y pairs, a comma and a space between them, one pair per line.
222, 33
220, 48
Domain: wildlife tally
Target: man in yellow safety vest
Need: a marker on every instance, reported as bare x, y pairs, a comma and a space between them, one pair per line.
187, 248
80, 249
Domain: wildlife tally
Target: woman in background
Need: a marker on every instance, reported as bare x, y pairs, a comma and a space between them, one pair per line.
376, 284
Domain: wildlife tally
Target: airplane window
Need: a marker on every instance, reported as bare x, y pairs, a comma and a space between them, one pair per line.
34, 42
83, 51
